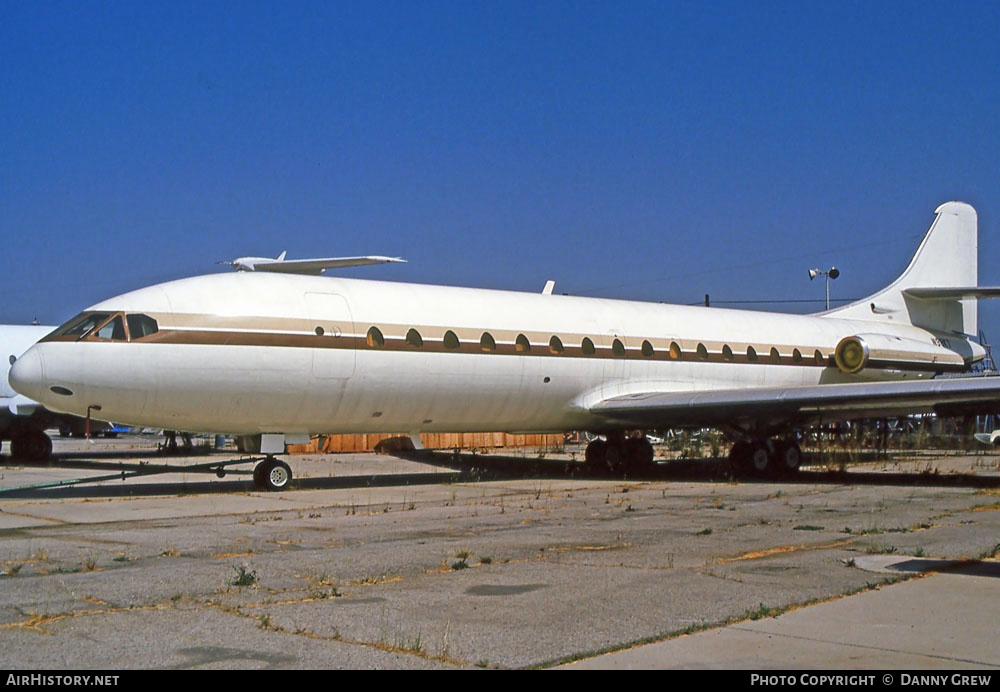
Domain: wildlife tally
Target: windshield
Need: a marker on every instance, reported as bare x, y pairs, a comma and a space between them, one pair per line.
81, 325
113, 330
110, 326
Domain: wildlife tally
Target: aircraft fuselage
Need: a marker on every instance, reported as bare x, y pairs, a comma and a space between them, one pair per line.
252, 353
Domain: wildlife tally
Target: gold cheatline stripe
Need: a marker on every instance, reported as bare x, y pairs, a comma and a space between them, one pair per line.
399, 344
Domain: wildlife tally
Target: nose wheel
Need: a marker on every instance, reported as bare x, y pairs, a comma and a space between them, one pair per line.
272, 474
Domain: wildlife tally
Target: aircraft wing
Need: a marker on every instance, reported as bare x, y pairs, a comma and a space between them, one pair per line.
319, 265
796, 406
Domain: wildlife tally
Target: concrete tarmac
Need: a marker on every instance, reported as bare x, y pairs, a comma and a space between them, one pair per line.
945, 620
374, 561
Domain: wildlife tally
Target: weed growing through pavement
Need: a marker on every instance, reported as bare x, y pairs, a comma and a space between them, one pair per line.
244, 575
762, 611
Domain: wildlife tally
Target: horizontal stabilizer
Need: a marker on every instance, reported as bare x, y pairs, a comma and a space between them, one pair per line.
305, 266
318, 266
953, 293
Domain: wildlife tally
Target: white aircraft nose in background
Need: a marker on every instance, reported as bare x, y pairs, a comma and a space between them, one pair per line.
27, 374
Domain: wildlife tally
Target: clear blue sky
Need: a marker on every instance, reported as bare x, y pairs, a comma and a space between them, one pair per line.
656, 151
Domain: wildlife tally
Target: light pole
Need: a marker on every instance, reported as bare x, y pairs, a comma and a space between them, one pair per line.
831, 273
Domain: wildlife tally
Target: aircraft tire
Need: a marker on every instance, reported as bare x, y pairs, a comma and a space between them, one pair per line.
35, 445
788, 456
615, 458
739, 457
595, 454
638, 453
761, 462
275, 475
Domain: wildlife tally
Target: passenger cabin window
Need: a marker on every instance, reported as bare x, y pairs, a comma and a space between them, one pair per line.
796, 355
751, 354
647, 349
587, 346
141, 326
675, 350
450, 340
617, 349
555, 345
727, 352
818, 357
414, 339
775, 356
702, 352
112, 330
487, 343
375, 338
522, 344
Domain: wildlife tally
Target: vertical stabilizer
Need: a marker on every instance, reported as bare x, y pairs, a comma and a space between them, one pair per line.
947, 258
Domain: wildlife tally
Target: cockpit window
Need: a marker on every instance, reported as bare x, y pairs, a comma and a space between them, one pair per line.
110, 326
81, 325
140, 326
112, 330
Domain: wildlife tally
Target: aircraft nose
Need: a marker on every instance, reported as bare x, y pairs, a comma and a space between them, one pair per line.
27, 374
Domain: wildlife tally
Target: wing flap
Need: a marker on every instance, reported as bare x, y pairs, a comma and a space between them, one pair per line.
773, 406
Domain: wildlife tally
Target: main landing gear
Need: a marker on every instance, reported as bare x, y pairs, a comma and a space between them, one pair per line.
619, 454
770, 457
272, 474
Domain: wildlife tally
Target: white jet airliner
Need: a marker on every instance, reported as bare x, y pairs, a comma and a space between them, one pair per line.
282, 355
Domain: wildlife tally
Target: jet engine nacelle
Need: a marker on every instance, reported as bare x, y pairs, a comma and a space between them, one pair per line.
855, 353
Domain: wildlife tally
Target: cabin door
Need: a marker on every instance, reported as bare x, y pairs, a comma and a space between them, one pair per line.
330, 318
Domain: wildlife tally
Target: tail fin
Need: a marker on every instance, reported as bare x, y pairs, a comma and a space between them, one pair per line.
946, 259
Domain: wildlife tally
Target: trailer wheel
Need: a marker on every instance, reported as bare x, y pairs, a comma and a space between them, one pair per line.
272, 474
